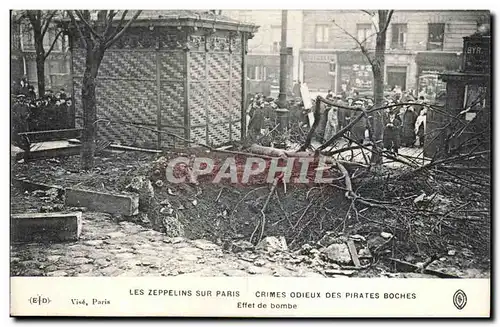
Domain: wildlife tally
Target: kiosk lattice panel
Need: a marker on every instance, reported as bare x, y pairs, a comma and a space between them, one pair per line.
142, 89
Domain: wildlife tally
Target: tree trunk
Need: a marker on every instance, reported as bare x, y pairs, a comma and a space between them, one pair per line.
378, 68
40, 61
89, 103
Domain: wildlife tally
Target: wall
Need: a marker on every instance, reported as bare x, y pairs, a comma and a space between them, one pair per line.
458, 25
57, 65
269, 22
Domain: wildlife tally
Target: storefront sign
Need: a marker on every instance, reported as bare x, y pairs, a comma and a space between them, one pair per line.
357, 76
477, 55
318, 57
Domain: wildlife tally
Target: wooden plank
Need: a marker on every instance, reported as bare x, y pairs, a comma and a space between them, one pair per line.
50, 153
132, 148
53, 135
46, 227
408, 267
103, 202
354, 253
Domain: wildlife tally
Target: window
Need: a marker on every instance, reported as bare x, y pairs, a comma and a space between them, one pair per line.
28, 40
364, 32
257, 73
48, 39
436, 37
333, 67
399, 32
322, 33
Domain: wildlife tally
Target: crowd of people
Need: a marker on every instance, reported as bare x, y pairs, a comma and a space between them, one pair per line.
402, 126
33, 113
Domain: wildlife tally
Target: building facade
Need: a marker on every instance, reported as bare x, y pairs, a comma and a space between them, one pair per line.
57, 64
420, 45
263, 65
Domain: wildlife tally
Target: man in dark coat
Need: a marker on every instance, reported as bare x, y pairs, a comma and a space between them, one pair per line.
391, 132
257, 120
296, 90
408, 129
358, 130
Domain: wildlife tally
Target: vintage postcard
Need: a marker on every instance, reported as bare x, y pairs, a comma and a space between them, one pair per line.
250, 163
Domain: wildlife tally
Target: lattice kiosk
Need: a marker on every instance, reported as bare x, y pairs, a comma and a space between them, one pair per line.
182, 73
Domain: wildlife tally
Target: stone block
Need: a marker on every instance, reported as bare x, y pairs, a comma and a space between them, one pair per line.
122, 204
46, 227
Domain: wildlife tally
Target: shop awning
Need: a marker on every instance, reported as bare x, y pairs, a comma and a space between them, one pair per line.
449, 60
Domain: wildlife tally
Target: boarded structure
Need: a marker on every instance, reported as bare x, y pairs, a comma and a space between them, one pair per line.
468, 97
172, 73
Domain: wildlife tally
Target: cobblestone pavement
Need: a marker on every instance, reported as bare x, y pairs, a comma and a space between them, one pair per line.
107, 248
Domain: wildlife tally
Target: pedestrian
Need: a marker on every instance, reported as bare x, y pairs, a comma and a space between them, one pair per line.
391, 133
296, 89
329, 96
257, 120
358, 130
332, 123
420, 125
408, 128
323, 118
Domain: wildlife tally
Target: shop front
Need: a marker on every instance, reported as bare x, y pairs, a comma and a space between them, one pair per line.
355, 73
429, 67
319, 70
263, 72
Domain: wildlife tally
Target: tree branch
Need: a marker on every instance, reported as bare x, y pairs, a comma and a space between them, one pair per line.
387, 21
360, 44
87, 24
111, 15
368, 12
122, 19
47, 22
80, 32
120, 33
53, 44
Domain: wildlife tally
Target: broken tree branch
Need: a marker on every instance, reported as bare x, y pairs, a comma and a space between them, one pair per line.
317, 116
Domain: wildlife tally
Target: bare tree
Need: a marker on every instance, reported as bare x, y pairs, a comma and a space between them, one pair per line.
96, 36
40, 22
380, 20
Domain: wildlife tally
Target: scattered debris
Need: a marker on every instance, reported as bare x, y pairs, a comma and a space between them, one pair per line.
241, 245
452, 252
402, 266
272, 244
332, 238
338, 253
172, 226
339, 272
386, 235
354, 253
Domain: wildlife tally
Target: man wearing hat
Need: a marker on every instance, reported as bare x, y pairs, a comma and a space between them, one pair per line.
408, 128
391, 132
332, 123
358, 130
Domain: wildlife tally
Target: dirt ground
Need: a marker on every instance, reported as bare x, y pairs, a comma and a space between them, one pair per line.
221, 213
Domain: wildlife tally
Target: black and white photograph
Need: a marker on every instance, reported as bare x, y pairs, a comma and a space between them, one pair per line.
325, 144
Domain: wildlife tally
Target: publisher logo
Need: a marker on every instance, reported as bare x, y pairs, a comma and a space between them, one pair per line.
459, 299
